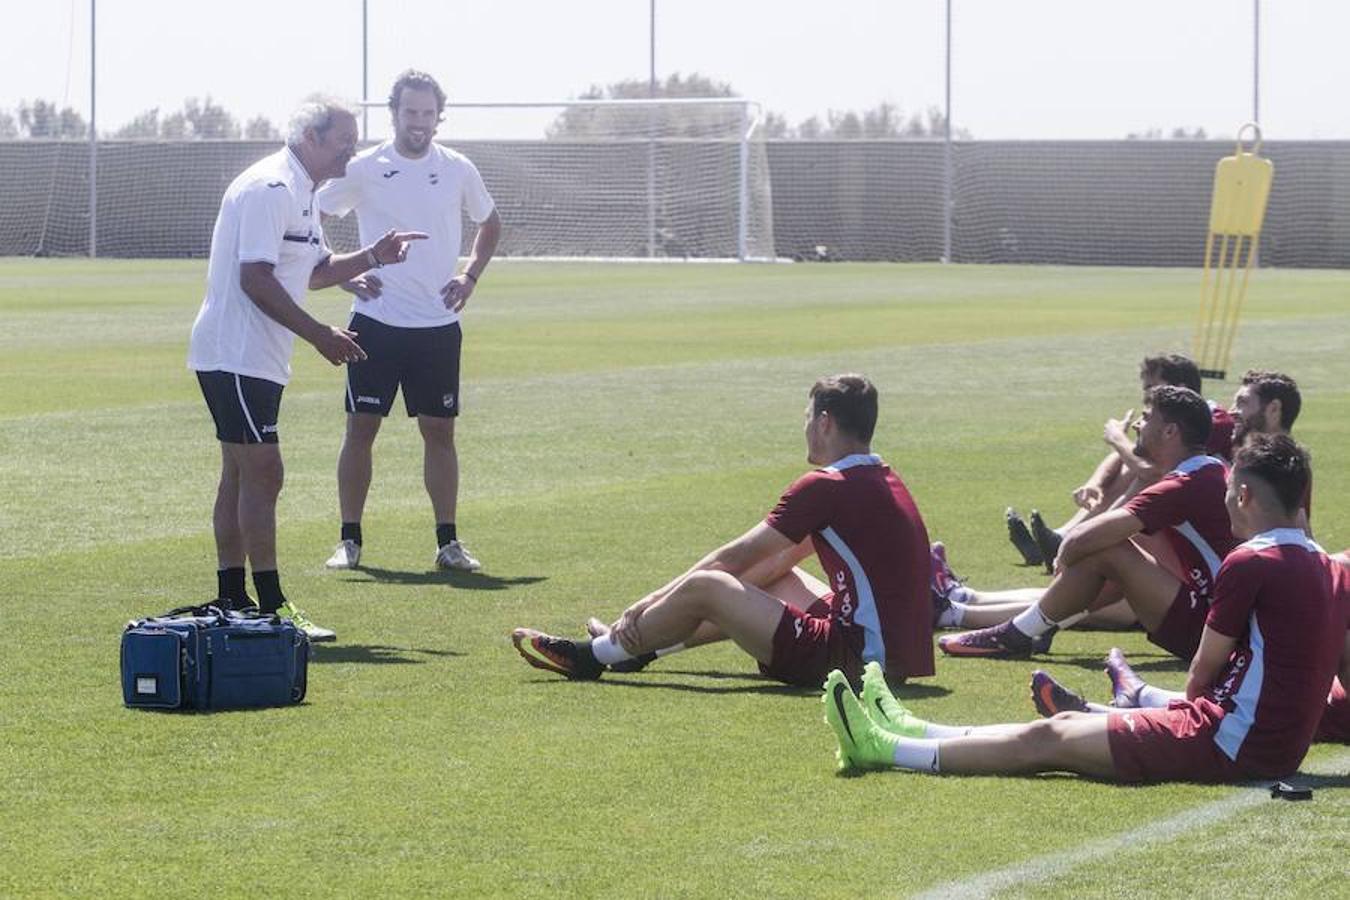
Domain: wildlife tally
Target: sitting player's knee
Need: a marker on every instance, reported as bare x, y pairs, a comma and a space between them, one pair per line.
706, 585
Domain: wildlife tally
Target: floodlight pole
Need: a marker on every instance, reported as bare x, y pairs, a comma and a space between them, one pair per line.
1256, 61
93, 132
651, 146
947, 148
365, 73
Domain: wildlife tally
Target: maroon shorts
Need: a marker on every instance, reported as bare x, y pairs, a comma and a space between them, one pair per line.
1334, 728
807, 644
1172, 743
1179, 633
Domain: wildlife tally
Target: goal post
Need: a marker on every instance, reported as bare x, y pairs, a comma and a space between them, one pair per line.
660, 179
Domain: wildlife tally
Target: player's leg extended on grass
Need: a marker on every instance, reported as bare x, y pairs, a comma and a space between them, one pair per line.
1068, 742
355, 465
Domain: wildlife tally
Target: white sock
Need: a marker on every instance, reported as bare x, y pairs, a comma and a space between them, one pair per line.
1150, 696
673, 648
916, 754
1032, 622
608, 651
1070, 621
1098, 708
952, 616
937, 732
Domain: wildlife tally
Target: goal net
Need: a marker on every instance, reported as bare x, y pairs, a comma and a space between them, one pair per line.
619, 179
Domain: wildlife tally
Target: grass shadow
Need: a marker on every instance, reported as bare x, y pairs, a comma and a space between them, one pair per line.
469, 581
377, 654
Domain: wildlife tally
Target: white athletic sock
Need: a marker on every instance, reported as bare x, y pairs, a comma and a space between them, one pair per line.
1070, 621
936, 732
673, 648
952, 616
1150, 696
1098, 708
608, 651
1032, 622
916, 754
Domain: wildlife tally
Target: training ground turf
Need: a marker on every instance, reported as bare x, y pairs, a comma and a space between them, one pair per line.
619, 421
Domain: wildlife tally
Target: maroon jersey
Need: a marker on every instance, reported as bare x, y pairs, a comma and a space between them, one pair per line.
1186, 506
1221, 424
873, 546
1277, 594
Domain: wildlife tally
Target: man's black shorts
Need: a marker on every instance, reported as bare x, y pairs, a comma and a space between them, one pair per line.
423, 361
245, 409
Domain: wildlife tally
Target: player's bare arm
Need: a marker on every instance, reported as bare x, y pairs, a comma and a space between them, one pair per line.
1097, 534
1213, 654
1116, 435
459, 289
391, 248
337, 345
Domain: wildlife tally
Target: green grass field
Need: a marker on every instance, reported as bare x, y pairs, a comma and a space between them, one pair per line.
619, 422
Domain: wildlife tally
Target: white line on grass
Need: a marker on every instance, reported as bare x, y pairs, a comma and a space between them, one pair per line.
1049, 866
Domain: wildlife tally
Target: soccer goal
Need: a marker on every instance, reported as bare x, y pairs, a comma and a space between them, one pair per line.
622, 179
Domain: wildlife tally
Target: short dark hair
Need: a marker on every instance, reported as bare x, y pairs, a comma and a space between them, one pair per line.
851, 400
417, 80
1280, 462
1270, 386
1183, 408
1172, 368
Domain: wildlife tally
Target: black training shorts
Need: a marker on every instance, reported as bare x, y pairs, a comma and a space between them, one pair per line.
245, 409
423, 361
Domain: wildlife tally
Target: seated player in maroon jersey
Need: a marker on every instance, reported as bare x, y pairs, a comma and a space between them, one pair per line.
856, 515
1255, 691
1265, 403
1185, 506
1129, 691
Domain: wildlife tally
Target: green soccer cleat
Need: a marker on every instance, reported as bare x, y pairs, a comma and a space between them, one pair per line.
315, 633
886, 712
862, 745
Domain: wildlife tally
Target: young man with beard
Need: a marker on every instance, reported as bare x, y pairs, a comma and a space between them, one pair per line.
1255, 690
860, 520
408, 319
1185, 505
267, 249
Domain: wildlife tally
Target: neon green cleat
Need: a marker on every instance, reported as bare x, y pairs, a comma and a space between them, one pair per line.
315, 633
862, 745
882, 708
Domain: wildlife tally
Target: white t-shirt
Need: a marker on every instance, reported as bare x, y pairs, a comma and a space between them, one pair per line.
430, 194
268, 215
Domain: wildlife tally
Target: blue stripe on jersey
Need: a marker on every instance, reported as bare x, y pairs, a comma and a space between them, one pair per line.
866, 614
1236, 724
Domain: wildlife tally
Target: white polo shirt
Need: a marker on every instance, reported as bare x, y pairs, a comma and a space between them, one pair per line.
268, 215
430, 194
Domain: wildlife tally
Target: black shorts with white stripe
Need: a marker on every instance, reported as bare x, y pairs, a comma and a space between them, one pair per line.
245, 409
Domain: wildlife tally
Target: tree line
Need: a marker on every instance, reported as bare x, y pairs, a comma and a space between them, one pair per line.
197, 120
208, 120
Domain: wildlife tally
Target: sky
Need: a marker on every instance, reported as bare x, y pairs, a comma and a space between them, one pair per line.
1020, 68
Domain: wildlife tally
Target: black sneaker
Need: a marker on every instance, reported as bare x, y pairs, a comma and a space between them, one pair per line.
1021, 539
554, 654
1047, 541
